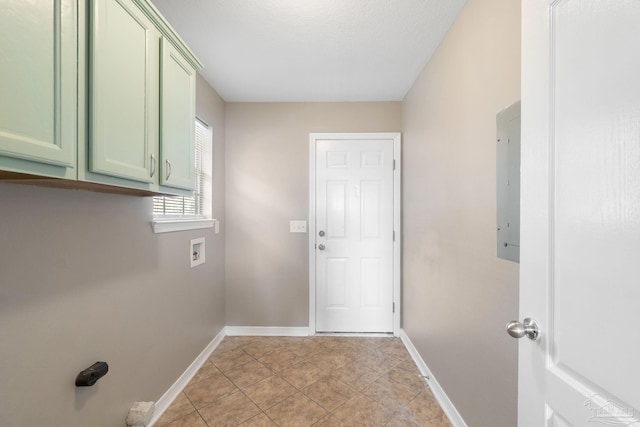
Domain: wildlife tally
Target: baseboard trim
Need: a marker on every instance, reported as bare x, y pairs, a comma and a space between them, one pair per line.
262, 331
174, 391
442, 398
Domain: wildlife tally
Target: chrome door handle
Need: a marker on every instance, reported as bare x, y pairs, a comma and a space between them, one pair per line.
529, 328
153, 165
321, 247
168, 173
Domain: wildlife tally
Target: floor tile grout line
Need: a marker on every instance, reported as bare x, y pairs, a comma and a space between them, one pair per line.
192, 405
301, 390
257, 406
304, 351
277, 403
202, 418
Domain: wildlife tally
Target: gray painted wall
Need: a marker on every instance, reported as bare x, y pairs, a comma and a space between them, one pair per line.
82, 279
267, 269
457, 295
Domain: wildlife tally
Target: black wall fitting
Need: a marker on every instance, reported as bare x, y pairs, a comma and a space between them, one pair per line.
93, 373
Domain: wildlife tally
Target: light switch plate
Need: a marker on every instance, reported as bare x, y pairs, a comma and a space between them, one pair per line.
216, 226
297, 226
197, 252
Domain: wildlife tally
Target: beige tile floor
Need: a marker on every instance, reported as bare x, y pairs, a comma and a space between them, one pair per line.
308, 381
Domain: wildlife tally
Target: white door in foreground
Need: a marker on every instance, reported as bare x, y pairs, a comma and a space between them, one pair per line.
580, 241
354, 235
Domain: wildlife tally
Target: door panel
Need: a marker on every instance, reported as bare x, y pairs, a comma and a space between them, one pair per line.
177, 105
371, 159
337, 159
337, 209
354, 207
337, 282
581, 213
556, 420
371, 209
124, 91
371, 273
38, 51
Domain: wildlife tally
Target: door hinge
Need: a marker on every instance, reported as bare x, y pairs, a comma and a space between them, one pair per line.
394, 307
394, 235
394, 164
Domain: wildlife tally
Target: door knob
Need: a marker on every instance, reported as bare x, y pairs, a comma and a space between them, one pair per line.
321, 233
529, 328
321, 247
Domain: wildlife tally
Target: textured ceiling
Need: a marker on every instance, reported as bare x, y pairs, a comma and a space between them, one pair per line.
311, 50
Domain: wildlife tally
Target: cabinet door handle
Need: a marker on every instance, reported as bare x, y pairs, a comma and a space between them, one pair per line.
168, 170
153, 165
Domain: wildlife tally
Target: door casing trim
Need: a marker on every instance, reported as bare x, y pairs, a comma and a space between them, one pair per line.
397, 244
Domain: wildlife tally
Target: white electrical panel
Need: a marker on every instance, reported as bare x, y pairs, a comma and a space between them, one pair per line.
508, 182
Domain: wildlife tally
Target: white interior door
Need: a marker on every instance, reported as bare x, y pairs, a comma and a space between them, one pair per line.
354, 235
580, 242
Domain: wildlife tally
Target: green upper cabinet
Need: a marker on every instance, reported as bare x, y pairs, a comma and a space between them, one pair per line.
141, 109
177, 116
96, 91
38, 87
123, 105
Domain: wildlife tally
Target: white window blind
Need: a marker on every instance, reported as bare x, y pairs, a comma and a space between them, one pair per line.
196, 206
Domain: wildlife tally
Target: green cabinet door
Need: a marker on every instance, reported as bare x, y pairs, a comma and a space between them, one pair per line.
177, 119
38, 89
123, 105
